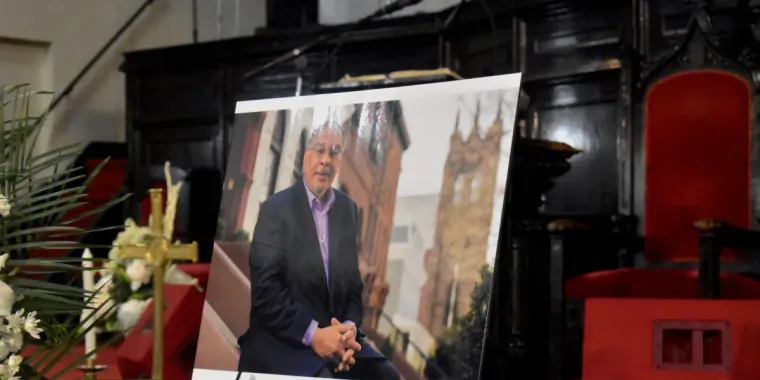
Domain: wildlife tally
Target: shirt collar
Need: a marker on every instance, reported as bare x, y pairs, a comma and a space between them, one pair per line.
313, 198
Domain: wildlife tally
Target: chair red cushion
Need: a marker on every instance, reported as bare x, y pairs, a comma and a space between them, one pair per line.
697, 152
656, 283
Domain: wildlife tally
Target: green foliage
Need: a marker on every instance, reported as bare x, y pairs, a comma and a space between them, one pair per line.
458, 353
41, 190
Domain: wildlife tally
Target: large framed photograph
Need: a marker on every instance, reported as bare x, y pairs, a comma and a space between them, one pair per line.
358, 233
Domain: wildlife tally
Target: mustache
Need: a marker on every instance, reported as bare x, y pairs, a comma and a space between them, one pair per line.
324, 171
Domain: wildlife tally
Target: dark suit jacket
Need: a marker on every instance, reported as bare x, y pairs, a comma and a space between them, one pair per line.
288, 284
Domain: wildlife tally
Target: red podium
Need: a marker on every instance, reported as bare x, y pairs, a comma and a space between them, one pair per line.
671, 339
182, 320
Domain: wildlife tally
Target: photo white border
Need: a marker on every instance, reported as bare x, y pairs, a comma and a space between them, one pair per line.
210, 374
432, 90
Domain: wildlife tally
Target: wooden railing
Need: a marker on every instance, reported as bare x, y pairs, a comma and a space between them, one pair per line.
398, 347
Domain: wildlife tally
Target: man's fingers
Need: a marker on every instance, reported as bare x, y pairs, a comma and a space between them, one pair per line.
353, 345
347, 361
349, 335
334, 322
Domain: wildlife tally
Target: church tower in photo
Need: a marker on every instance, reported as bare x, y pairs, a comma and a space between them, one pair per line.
463, 223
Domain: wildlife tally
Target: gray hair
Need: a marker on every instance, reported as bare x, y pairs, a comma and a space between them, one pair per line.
335, 115
325, 128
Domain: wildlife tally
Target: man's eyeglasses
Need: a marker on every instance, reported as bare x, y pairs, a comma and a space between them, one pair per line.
334, 151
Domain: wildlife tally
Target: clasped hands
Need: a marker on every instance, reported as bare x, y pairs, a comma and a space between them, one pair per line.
337, 342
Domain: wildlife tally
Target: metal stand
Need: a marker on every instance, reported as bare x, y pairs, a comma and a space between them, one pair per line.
91, 370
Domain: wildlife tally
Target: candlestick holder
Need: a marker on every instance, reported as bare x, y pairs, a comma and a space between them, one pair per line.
91, 370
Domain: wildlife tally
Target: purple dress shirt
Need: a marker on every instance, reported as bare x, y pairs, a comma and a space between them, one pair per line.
319, 212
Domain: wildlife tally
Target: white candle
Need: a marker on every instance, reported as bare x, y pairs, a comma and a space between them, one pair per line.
88, 283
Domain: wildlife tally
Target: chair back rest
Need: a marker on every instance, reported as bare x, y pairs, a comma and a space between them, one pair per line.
697, 153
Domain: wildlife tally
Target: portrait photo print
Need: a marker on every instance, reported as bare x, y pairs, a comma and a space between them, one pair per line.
358, 233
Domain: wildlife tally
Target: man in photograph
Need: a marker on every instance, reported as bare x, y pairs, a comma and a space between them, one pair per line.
306, 289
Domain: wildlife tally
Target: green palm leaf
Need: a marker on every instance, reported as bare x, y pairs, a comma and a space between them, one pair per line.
47, 198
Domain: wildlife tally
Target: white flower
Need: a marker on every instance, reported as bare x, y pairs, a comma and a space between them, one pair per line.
113, 254
4, 349
129, 314
15, 362
3, 259
5, 206
11, 366
15, 321
112, 266
13, 341
7, 299
30, 325
139, 273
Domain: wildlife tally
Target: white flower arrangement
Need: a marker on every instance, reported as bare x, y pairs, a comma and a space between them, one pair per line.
124, 283
127, 282
5, 206
40, 207
13, 327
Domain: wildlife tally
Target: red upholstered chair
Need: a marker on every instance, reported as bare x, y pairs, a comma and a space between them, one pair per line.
698, 127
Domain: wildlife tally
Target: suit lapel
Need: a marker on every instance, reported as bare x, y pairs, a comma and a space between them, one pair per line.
305, 221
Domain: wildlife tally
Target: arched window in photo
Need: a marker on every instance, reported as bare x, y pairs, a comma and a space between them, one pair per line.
275, 151
475, 188
458, 187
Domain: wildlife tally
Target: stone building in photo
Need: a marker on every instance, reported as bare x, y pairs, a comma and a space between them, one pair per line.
464, 215
376, 140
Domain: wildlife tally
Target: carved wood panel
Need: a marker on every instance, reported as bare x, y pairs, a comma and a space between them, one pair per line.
584, 41
571, 65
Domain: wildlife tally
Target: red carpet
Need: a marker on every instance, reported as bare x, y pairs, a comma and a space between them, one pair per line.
106, 356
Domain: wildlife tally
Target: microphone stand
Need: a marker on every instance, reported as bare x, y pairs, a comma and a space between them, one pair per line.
295, 53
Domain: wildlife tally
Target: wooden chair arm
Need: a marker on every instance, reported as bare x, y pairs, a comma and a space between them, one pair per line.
566, 225
714, 236
727, 235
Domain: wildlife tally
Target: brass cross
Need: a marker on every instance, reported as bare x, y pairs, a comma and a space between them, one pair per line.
158, 253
